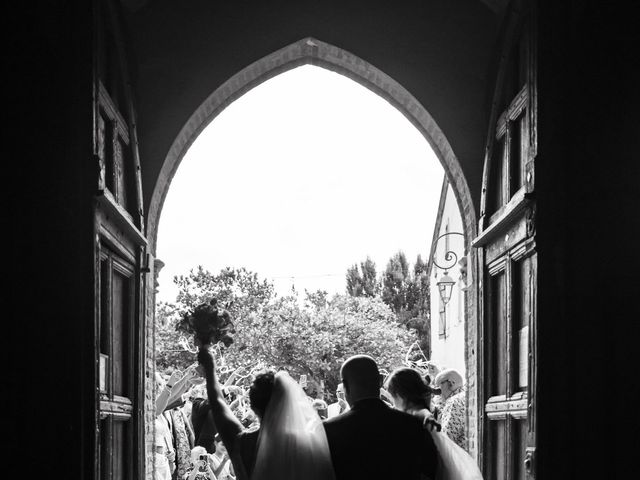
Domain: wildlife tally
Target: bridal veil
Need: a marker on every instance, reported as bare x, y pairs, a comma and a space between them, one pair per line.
292, 444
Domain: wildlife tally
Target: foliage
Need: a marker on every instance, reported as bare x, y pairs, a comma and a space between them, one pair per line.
310, 336
396, 283
354, 281
403, 289
370, 284
169, 349
362, 280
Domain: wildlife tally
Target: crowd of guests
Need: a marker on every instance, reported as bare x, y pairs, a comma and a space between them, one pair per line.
188, 446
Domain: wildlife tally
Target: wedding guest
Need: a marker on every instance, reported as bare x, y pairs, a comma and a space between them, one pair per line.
432, 370
200, 466
220, 463
436, 401
453, 406
176, 438
197, 391
185, 381
183, 440
339, 406
321, 407
182, 435
163, 450
411, 392
204, 429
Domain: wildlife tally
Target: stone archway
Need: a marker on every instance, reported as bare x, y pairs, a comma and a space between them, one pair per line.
318, 53
314, 52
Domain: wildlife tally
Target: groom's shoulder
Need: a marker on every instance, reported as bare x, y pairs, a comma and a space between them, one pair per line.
338, 419
404, 418
381, 414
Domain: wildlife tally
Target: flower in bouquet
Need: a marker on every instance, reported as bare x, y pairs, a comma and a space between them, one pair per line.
209, 323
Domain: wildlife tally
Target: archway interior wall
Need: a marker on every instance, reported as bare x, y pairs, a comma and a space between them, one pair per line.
440, 51
315, 52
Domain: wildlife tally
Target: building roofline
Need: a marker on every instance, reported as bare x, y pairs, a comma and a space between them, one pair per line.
438, 223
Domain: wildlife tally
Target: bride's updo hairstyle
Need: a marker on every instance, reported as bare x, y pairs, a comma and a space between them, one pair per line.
409, 385
260, 392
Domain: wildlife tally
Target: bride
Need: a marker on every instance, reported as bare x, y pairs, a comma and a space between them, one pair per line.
411, 394
291, 442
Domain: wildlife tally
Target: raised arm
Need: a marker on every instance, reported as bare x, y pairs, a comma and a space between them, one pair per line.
163, 397
226, 422
233, 376
183, 384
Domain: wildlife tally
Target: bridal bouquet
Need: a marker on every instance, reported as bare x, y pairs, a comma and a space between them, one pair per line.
208, 323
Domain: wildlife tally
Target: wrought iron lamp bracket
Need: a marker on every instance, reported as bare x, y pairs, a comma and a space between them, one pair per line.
449, 256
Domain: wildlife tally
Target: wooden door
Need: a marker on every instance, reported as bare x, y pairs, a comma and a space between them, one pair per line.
120, 252
507, 260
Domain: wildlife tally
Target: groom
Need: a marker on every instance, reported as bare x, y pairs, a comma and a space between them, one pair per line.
373, 441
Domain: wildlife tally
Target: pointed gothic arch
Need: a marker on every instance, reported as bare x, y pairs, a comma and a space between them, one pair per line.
315, 52
321, 54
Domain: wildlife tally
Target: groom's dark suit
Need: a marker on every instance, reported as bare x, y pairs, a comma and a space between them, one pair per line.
372, 441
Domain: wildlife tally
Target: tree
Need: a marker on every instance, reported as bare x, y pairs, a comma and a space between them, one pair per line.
362, 280
370, 284
170, 349
396, 283
312, 338
354, 281
406, 291
419, 305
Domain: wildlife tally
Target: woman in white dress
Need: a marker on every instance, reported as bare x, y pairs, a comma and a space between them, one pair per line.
412, 395
290, 443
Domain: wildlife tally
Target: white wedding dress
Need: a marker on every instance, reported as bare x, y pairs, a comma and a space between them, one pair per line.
455, 462
292, 444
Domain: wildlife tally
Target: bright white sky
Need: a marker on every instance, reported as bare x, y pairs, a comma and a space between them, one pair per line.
303, 176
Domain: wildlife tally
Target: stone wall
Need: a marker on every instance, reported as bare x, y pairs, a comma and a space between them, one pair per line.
149, 359
471, 355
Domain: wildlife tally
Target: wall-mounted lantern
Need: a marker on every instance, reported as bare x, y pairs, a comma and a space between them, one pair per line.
446, 283
445, 286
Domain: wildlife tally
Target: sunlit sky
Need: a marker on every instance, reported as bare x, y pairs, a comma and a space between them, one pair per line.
301, 177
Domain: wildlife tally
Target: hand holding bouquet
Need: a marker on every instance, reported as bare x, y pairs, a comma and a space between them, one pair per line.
208, 323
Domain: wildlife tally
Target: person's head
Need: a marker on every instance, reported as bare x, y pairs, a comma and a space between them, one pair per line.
321, 407
361, 378
448, 381
219, 444
196, 453
340, 391
260, 392
409, 389
432, 370
197, 391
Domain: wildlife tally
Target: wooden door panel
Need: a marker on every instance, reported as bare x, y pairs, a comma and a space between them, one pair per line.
120, 249
519, 442
521, 308
122, 296
120, 445
497, 335
106, 440
496, 193
498, 457
507, 239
